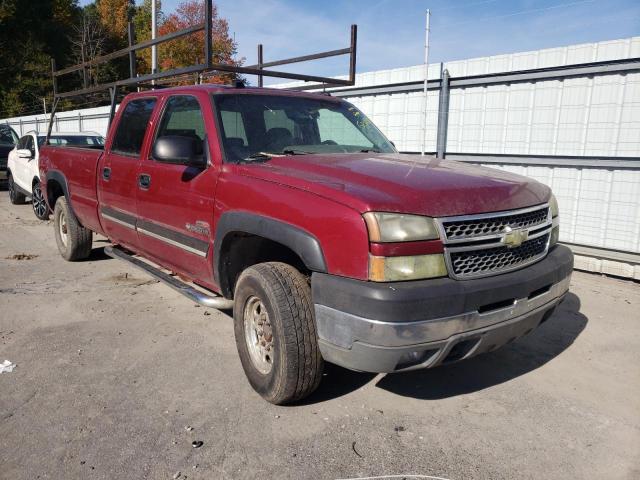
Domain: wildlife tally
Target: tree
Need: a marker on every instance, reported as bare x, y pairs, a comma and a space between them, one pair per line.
31, 33
88, 41
189, 50
114, 16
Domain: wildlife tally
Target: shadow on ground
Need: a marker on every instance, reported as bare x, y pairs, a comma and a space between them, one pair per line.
519, 358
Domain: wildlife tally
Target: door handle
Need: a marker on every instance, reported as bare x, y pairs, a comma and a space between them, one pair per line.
106, 173
144, 181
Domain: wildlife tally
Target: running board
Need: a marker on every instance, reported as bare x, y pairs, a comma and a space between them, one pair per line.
201, 298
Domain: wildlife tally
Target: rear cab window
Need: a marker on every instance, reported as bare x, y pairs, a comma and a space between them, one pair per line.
132, 127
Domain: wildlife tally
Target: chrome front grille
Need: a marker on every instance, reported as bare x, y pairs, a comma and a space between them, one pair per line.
496, 260
489, 244
469, 229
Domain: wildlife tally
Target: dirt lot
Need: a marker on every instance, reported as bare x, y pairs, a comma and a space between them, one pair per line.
112, 367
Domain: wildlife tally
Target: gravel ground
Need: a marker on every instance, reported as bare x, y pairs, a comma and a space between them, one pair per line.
113, 368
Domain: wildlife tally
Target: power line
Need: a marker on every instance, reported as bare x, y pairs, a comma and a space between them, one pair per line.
455, 7
521, 12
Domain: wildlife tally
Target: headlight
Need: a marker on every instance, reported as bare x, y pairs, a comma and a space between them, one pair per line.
396, 227
394, 269
553, 205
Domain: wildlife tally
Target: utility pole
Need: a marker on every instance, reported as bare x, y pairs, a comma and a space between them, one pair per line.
154, 32
44, 105
426, 79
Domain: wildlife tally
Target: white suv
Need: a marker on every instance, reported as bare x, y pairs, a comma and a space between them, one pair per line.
23, 174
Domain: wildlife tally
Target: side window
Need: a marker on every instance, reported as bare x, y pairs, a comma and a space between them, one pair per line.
133, 126
7, 135
29, 145
333, 128
183, 117
23, 142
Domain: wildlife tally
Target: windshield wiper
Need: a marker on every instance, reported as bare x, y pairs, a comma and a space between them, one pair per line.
260, 156
290, 151
370, 150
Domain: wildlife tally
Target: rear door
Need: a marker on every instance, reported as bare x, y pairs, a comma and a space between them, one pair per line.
118, 168
175, 201
21, 176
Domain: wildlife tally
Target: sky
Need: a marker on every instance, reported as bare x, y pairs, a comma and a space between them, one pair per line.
391, 32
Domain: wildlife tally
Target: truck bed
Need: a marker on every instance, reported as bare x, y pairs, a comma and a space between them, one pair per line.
80, 167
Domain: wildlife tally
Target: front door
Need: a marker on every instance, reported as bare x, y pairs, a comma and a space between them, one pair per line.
117, 172
176, 201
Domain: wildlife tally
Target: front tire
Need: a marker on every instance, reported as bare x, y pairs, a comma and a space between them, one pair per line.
40, 207
15, 197
74, 241
275, 332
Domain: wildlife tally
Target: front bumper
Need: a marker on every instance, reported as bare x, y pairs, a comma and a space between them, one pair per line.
388, 327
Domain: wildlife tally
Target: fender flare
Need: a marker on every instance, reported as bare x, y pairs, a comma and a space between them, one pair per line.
303, 243
62, 180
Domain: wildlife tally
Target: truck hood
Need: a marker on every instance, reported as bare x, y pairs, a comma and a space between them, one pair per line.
402, 183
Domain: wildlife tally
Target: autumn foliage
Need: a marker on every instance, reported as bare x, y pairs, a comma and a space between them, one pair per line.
189, 50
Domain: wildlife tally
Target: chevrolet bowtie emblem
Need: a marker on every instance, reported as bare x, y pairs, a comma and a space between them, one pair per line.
514, 238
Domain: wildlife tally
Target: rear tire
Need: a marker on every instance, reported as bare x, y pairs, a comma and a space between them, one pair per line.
276, 333
74, 241
40, 207
15, 196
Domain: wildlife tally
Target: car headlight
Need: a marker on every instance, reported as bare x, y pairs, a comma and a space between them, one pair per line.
396, 227
553, 205
396, 269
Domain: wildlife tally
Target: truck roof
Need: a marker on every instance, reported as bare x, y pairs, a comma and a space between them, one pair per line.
219, 88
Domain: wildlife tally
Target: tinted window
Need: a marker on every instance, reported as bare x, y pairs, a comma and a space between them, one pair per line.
29, 145
7, 135
23, 141
182, 117
132, 126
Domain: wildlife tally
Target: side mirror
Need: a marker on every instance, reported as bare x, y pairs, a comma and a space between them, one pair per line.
24, 153
180, 150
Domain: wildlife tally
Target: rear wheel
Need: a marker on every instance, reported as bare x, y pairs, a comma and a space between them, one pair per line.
74, 241
15, 196
40, 207
275, 332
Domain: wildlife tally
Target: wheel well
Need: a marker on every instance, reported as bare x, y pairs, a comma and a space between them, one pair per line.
54, 190
240, 250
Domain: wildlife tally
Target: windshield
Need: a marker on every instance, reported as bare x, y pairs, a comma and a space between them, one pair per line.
263, 126
73, 140
7, 135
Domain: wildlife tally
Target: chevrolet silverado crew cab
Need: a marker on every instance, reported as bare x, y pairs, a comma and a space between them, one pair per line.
23, 170
294, 210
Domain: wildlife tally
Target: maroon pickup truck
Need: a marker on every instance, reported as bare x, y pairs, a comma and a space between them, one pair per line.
294, 210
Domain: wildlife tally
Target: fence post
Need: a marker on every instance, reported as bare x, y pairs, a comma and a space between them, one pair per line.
20, 126
79, 121
443, 115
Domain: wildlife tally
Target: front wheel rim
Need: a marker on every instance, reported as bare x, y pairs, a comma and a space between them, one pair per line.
258, 335
39, 205
62, 228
